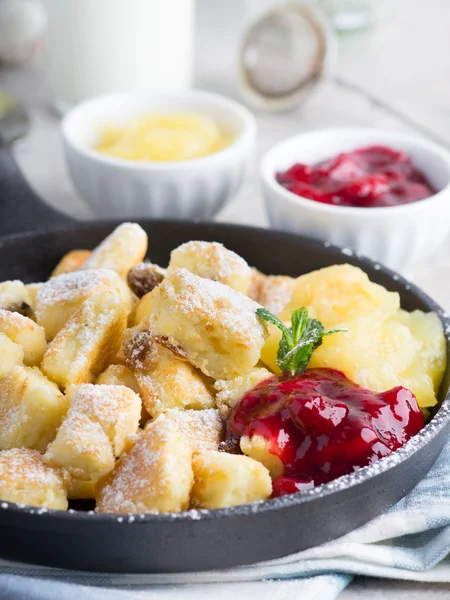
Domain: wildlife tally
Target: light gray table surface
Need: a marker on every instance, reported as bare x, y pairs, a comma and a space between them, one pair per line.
405, 62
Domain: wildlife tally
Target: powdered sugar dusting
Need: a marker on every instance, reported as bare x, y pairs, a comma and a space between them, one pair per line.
72, 286
125, 246
156, 474
275, 292
212, 260
22, 472
202, 428
15, 319
215, 325
115, 409
196, 294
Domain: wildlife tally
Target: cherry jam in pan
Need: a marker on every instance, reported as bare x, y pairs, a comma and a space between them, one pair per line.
321, 425
370, 177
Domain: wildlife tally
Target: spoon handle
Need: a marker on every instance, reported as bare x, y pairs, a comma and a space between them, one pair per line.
21, 209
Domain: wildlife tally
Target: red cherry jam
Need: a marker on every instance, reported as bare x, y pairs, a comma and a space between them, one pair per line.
369, 177
321, 425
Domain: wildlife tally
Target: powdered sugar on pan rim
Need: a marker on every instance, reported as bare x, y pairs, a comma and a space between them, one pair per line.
338, 485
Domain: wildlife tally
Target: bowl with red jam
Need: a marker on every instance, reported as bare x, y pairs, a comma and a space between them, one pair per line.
380, 193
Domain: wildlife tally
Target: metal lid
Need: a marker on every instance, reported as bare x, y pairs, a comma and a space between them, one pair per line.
283, 56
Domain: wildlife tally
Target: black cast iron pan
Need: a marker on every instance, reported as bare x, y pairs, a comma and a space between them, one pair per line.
206, 539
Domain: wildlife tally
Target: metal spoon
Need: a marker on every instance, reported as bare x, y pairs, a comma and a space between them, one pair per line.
14, 120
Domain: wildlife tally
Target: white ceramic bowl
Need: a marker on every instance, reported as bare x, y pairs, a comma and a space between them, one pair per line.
196, 188
396, 236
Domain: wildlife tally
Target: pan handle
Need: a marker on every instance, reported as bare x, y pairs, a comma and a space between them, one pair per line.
21, 209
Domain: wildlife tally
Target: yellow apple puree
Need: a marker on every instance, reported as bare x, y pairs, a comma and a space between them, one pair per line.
163, 137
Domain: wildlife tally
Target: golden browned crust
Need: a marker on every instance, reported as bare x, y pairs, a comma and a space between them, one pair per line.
222, 480
214, 327
25, 332
25, 479
173, 383
155, 476
31, 409
125, 247
88, 342
230, 391
212, 260
59, 298
202, 428
97, 429
72, 261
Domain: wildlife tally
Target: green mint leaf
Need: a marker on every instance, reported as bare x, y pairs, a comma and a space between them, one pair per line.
266, 315
299, 319
301, 359
315, 330
299, 341
336, 330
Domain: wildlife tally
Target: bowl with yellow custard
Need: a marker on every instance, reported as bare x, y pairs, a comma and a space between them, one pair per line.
179, 155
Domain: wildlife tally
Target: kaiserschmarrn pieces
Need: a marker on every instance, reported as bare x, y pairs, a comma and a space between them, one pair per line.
212, 260
172, 353
154, 476
257, 447
31, 409
202, 428
60, 297
122, 375
256, 281
118, 375
32, 289
230, 391
99, 426
142, 311
165, 381
144, 277
25, 479
125, 247
72, 261
88, 341
119, 358
208, 323
14, 296
273, 292
11, 354
222, 480
26, 333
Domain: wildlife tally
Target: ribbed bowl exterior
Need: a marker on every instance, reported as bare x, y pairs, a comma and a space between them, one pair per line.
129, 192
397, 236
397, 240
